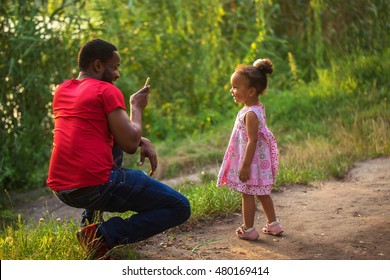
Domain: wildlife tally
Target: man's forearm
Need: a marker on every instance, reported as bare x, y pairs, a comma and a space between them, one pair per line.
136, 120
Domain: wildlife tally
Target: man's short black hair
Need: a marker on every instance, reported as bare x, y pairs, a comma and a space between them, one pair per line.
95, 49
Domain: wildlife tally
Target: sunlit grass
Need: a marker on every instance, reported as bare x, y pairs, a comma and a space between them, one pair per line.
208, 201
49, 239
322, 158
40, 240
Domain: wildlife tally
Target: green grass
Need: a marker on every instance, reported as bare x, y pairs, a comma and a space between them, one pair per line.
48, 239
40, 240
208, 201
322, 128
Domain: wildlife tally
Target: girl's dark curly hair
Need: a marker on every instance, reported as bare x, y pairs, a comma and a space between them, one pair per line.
257, 74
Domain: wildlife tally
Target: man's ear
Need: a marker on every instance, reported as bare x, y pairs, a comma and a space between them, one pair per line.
97, 65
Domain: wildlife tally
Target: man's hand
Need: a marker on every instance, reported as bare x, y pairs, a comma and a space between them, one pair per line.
148, 151
127, 130
140, 98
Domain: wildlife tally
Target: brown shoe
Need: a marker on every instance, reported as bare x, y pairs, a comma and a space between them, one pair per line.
96, 247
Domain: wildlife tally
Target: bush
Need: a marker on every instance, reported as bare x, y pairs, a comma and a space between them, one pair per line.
35, 50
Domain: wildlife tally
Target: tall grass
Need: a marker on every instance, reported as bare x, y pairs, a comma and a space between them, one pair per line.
319, 158
207, 200
40, 240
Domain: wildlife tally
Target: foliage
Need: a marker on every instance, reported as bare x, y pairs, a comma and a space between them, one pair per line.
36, 43
189, 49
317, 30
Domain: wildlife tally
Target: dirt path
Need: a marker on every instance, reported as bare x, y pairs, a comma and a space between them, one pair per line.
332, 220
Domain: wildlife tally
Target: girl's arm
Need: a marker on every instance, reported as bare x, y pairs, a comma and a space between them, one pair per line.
252, 122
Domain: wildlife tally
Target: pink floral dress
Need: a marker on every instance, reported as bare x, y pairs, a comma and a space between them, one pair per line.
264, 165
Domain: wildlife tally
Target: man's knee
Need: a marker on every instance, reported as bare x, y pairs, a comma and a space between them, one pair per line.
184, 211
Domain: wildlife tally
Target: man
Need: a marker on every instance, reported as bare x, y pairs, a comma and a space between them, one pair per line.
91, 128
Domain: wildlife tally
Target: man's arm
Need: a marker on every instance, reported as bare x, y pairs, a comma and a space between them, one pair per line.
127, 130
147, 150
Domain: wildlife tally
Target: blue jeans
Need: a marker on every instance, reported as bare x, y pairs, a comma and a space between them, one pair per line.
91, 216
158, 207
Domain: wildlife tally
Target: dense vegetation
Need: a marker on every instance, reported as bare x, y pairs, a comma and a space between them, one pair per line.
331, 60
328, 101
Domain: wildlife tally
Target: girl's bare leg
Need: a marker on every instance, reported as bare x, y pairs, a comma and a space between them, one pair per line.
248, 210
268, 207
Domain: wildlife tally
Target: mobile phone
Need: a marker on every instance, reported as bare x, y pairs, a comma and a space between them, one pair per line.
147, 82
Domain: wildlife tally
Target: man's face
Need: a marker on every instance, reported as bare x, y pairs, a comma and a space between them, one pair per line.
110, 72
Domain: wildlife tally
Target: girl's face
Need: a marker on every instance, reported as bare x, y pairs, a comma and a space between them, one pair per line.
240, 90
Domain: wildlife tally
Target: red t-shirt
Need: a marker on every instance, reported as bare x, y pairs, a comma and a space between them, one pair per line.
82, 142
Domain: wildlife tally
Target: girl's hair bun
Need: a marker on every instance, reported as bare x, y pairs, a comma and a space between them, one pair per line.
264, 65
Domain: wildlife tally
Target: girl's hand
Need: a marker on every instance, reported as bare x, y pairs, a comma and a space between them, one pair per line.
244, 173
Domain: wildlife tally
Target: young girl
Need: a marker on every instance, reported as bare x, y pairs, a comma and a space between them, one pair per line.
251, 159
